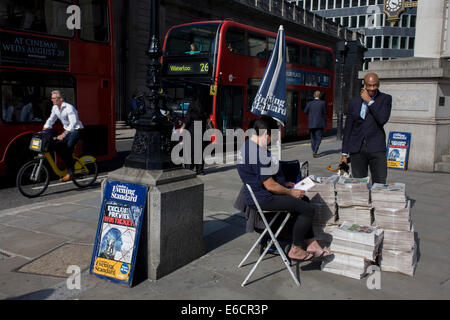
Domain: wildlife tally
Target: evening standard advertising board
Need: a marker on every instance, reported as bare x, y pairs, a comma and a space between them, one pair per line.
398, 150
118, 231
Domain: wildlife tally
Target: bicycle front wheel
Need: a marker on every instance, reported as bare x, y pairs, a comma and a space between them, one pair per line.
33, 179
86, 171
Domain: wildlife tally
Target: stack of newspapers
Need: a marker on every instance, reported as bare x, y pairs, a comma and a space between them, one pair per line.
354, 248
392, 213
353, 200
322, 195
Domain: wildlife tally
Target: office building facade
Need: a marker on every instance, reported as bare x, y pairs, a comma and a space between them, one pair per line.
383, 40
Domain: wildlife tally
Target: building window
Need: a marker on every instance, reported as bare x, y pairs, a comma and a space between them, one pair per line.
362, 21
354, 22
412, 21
403, 43
378, 42
323, 4
338, 4
308, 5
405, 19
315, 5
354, 3
371, 2
395, 43
345, 22
386, 41
369, 42
380, 1
363, 3
346, 4
411, 43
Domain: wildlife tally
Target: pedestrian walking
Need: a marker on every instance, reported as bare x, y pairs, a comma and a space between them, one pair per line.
316, 111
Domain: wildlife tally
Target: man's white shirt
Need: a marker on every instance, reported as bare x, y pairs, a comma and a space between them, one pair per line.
68, 116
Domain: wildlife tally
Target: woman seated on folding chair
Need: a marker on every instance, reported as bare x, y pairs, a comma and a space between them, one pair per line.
257, 168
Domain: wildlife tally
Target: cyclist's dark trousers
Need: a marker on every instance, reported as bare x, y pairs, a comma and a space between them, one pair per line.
302, 215
65, 149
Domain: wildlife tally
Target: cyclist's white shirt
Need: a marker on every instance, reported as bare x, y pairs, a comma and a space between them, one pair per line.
68, 116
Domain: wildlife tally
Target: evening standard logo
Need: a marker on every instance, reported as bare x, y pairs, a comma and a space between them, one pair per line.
271, 103
399, 136
121, 192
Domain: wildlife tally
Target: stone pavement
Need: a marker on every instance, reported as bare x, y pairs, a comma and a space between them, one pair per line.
38, 242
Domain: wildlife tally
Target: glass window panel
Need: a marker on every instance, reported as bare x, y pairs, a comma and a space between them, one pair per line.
395, 43
346, 3
362, 21
47, 17
354, 3
412, 21
411, 43
95, 20
293, 53
386, 42
257, 46
338, 4
354, 22
235, 41
315, 4
403, 43
369, 42
323, 4
378, 42
191, 40
345, 22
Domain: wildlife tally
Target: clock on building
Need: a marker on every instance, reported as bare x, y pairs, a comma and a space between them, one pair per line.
393, 8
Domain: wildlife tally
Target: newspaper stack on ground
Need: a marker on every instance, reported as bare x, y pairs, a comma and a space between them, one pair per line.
356, 214
353, 200
353, 192
354, 247
399, 261
391, 195
392, 213
393, 218
320, 191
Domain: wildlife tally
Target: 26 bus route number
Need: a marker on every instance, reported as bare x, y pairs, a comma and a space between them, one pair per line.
204, 67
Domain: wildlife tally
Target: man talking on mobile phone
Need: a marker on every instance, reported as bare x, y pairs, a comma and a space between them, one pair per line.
364, 138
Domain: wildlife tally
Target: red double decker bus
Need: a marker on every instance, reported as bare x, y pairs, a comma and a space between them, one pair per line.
228, 59
40, 51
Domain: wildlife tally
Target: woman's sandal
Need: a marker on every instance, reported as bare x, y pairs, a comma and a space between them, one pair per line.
309, 257
324, 255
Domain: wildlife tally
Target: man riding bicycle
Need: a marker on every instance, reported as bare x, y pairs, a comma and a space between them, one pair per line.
67, 140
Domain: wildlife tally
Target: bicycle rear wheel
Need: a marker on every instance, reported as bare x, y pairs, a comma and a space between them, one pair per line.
30, 182
86, 171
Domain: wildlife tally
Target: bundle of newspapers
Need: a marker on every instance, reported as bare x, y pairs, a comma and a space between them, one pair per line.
392, 213
320, 191
354, 248
353, 199
391, 195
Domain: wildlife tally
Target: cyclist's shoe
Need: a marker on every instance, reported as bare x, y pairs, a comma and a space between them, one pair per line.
66, 178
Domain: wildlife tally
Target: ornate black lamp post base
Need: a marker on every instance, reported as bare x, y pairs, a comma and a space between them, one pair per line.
151, 145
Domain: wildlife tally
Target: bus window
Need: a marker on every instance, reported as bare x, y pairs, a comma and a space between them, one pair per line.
182, 40
257, 46
26, 98
304, 56
271, 44
37, 16
320, 59
235, 41
94, 17
229, 112
292, 53
251, 94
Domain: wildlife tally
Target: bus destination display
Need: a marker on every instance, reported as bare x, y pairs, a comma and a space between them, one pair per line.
200, 67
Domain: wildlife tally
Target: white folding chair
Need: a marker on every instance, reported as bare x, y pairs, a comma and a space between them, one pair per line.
272, 241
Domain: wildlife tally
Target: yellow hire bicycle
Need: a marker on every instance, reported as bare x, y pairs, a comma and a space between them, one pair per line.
33, 177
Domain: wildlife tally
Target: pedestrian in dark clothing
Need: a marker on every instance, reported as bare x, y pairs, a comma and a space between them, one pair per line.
196, 114
316, 111
364, 137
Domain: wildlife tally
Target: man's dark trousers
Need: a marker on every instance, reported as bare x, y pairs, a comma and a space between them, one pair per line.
376, 161
316, 138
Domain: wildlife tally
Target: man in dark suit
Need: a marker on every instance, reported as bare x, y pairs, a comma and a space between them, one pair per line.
316, 111
364, 137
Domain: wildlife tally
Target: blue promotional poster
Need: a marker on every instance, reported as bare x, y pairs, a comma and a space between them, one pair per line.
118, 231
398, 150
